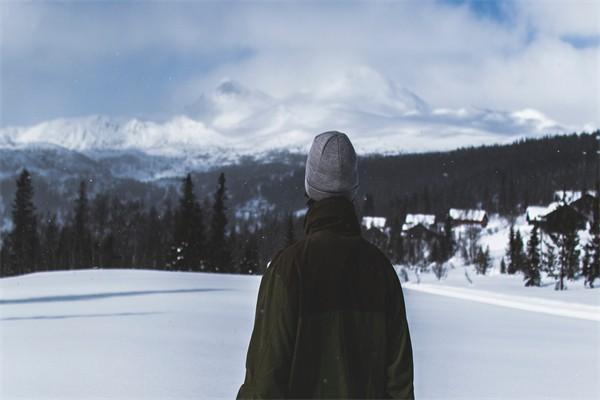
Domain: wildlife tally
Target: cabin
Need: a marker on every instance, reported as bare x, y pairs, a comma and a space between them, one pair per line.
420, 231
570, 210
412, 220
564, 219
375, 230
570, 196
419, 226
369, 222
468, 217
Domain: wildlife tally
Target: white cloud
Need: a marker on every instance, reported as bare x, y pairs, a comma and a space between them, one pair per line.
304, 51
556, 18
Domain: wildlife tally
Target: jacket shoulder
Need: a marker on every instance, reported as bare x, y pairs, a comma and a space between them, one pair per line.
285, 262
378, 255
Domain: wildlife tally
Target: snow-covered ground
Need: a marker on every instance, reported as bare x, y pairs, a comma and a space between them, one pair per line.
495, 237
459, 277
149, 334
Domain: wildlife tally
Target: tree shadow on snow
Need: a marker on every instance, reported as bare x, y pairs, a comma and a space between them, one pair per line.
96, 296
37, 317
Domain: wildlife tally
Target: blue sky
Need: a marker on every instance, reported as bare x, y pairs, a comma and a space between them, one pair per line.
152, 60
499, 11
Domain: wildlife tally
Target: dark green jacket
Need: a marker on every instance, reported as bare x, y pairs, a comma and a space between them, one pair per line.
330, 319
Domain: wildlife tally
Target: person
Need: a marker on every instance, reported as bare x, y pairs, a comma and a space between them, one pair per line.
330, 316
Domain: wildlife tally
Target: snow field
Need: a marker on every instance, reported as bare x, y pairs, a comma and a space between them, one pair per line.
129, 334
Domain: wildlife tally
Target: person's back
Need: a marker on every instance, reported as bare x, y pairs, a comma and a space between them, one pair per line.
330, 319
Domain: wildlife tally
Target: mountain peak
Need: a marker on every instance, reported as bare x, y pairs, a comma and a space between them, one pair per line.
231, 87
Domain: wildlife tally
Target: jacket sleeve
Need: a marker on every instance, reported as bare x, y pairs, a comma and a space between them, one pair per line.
272, 343
399, 383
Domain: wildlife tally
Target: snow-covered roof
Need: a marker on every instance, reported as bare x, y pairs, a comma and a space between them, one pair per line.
466, 215
569, 196
373, 222
537, 213
412, 220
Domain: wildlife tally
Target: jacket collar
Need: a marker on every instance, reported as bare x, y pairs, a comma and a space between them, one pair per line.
335, 214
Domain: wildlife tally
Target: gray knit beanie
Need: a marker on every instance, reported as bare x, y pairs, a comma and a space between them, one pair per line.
331, 167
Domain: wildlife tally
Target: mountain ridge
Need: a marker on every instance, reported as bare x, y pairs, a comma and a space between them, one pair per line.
233, 121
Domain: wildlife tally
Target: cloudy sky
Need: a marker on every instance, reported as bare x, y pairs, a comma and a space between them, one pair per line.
467, 63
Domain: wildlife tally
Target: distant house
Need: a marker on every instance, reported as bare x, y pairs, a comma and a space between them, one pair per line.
570, 210
419, 226
413, 220
379, 223
570, 196
468, 217
376, 231
536, 215
420, 231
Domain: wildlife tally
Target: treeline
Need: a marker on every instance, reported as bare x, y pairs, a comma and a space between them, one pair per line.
503, 179
107, 232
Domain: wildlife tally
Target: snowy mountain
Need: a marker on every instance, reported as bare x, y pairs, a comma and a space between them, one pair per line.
232, 121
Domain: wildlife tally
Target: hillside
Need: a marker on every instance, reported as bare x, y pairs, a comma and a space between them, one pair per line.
499, 178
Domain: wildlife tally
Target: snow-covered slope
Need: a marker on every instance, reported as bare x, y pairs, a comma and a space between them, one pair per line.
169, 335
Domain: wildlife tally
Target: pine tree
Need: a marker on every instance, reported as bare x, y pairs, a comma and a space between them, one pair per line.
110, 256
511, 205
4, 266
593, 246
151, 240
23, 240
396, 242
586, 263
249, 264
502, 266
531, 271
571, 246
549, 264
220, 255
562, 261
49, 248
517, 256
487, 260
568, 256
448, 243
235, 241
435, 255
82, 246
368, 208
482, 260
510, 252
64, 253
188, 239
